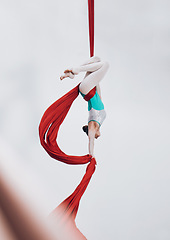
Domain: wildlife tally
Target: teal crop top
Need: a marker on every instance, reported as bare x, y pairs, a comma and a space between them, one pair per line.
95, 102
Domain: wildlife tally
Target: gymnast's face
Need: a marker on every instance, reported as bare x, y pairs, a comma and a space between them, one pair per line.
94, 127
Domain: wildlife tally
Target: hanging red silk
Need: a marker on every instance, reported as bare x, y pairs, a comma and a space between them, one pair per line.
48, 132
91, 36
91, 26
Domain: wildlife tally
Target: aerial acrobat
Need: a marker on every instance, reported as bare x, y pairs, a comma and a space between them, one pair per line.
54, 116
95, 71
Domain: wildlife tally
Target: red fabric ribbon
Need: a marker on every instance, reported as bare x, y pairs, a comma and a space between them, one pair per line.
90, 94
48, 131
91, 26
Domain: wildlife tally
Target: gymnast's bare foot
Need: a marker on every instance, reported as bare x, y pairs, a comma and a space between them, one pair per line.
67, 73
62, 77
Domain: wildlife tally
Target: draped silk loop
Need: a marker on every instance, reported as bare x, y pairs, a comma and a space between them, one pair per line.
48, 133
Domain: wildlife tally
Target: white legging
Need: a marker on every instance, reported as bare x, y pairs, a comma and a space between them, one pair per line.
96, 69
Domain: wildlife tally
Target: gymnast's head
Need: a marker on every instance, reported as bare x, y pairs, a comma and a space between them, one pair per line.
93, 128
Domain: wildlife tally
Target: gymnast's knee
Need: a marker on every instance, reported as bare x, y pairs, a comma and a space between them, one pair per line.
96, 59
83, 88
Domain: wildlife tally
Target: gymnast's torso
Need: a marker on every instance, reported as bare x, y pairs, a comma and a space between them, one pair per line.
96, 109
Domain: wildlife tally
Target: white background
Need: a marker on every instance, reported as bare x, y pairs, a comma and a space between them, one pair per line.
128, 197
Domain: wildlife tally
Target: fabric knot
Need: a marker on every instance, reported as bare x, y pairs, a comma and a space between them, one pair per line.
90, 94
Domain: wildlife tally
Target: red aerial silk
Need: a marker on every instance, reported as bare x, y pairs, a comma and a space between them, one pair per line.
91, 26
48, 131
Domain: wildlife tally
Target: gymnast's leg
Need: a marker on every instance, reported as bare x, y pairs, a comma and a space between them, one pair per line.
95, 70
95, 73
88, 64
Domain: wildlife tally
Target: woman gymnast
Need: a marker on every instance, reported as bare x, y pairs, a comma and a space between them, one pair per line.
95, 70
